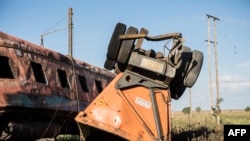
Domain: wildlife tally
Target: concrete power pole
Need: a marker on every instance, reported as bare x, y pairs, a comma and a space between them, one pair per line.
216, 63
209, 66
216, 60
70, 26
190, 102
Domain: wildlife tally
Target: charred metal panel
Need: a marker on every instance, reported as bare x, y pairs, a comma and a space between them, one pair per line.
39, 71
36, 78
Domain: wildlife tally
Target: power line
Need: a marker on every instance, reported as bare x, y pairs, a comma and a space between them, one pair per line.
50, 28
47, 33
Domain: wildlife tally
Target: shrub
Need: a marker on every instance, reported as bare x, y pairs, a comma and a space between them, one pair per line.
247, 109
186, 110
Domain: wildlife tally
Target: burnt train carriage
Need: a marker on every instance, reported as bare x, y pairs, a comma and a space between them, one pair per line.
41, 90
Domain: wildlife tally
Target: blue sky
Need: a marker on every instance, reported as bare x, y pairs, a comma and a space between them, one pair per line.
94, 22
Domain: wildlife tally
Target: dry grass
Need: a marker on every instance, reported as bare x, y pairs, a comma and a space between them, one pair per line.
200, 126
203, 125
235, 117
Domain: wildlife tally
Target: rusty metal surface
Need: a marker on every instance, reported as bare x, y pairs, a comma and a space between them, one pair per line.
41, 90
151, 38
24, 90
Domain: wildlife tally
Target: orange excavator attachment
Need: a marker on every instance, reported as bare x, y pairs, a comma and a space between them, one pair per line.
130, 113
136, 104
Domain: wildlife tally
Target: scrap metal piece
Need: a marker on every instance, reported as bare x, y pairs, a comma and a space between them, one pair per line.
175, 35
121, 106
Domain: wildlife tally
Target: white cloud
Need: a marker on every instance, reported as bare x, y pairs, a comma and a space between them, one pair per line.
234, 83
245, 65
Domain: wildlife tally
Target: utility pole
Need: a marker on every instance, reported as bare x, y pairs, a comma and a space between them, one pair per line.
70, 27
209, 66
190, 102
216, 62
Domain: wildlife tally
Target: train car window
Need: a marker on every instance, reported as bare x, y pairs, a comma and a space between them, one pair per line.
63, 78
38, 72
5, 70
98, 85
83, 83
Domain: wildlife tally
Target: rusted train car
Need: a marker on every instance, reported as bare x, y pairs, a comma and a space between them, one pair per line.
41, 90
